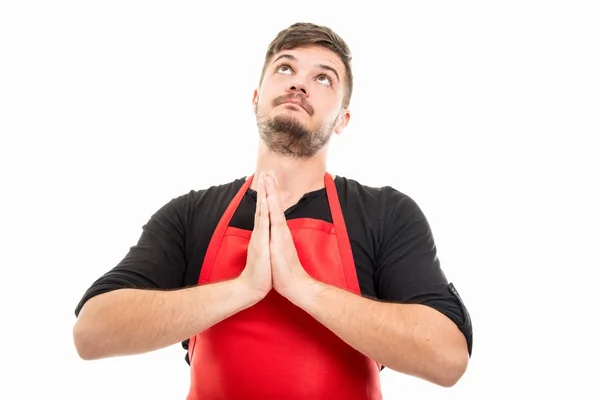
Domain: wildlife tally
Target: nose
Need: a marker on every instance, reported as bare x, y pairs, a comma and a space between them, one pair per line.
298, 88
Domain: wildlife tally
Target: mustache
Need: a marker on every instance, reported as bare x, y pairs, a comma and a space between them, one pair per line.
297, 97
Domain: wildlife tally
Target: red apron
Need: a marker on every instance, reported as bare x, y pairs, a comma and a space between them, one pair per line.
275, 350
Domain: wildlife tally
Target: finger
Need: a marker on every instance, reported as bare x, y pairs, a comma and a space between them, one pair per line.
276, 186
258, 202
276, 214
272, 173
264, 210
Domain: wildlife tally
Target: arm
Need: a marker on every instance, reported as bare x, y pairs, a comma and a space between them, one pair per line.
143, 286
410, 338
133, 321
418, 325
140, 306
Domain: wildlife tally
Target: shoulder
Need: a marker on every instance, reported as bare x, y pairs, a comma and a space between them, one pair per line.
388, 200
207, 196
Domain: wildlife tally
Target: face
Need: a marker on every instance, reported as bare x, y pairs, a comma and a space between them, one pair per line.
299, 103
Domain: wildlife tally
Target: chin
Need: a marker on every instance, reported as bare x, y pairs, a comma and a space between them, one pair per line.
291, 111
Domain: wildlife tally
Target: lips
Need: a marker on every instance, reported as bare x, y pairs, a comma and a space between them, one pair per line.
292, 101
298, 100
298, 103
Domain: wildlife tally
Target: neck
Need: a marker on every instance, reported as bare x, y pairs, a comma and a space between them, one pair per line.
296, 177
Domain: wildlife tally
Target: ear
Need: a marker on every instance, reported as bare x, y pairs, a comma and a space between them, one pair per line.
343, 120
255, 100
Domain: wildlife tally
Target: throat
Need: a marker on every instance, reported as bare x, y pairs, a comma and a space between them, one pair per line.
290, 201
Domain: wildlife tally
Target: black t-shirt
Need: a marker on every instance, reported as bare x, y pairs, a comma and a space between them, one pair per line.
391, 240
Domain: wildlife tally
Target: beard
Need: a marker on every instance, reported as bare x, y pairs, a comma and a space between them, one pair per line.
286, 135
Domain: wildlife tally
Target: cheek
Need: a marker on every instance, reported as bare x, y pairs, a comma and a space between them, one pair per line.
273, 85
261, 99
326, 109
266, 94
326, 97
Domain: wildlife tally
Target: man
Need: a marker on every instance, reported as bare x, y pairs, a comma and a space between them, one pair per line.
289, 283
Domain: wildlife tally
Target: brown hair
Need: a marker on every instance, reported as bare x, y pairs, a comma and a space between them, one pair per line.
306, 33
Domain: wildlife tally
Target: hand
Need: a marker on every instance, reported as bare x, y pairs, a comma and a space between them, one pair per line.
257, 273
289, 277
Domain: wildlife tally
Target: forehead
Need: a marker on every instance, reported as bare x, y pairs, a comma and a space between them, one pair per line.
312, 56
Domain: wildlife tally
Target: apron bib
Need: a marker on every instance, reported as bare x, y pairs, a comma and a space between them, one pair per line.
275, 350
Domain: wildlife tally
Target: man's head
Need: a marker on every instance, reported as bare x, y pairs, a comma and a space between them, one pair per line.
304, 91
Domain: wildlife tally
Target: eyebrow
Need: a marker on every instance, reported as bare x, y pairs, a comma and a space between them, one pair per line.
320, 66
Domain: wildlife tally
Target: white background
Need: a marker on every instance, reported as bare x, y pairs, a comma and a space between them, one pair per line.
486, 113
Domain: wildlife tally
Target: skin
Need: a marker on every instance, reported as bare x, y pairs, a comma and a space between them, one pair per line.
411, 339
301, 76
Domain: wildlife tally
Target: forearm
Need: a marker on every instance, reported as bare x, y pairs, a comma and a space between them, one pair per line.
132, 321
413, 339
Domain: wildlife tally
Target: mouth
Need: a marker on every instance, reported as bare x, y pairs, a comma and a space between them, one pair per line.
291, 100
294, 102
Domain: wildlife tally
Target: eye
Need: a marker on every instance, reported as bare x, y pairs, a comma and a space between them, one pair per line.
324, 79
284, 69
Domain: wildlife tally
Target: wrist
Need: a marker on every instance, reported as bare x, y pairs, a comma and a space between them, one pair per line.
304, 292
244, 290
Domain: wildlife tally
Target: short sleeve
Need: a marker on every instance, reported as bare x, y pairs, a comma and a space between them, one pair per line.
157, 261
408, 269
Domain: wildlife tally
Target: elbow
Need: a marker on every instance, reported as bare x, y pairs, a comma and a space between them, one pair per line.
445, 369
84, 342
452, 369
90, 331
